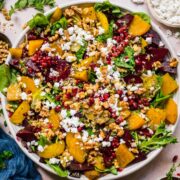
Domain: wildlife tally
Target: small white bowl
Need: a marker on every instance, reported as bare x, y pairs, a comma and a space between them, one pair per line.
156, 16
129, 169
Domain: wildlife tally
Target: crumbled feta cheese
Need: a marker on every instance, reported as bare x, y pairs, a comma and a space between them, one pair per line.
167, 10
100, 30
56, 84
169, 32
54, 161
106, 144
71, 58
44, 46
63, 113
149, 40
40, 148
161, 44
37, 82
61, 31
23, 96
177, 35
70, 30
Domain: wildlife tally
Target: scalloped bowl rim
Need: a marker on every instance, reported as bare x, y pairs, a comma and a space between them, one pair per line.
155, 15
129, 169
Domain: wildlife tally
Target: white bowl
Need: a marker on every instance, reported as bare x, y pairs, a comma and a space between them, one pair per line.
131, 168
156, 16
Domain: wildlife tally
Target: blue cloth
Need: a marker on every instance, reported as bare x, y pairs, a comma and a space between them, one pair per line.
19, 167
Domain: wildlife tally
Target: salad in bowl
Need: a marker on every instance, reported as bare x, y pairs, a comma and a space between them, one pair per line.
91, 86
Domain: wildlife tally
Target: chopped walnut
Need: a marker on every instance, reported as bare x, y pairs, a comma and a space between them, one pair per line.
173, 62
69, 12
157, 64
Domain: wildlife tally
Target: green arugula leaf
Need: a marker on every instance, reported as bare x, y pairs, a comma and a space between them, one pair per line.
161, 138
92, 77
43, 141
104, 37
90, 131
1, 4
144, 16
62, 23
112, 170
5, 155
58, 169
5, 76
21, 4
128, 54
38, 20
81, 51
107, 7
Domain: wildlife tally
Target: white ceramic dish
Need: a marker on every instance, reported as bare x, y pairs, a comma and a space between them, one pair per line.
128, 170
156, 16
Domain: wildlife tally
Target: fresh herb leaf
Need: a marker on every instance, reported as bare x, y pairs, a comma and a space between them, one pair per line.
58, 169
129, 56
107, 7
160, 99
144, 16
112, 170
161, 138
1, 4
62, 23
38, 20
81, 51
43, 141
169, 174
5, 155
104, 37
92, 77
5, 76
80, 85
90, 131
37, 4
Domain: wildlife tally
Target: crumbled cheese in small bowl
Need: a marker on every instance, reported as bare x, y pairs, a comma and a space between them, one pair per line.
165, 11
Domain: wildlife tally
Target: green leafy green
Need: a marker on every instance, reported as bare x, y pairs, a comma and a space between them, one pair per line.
144, 16
1, 4
5, 155
38, 20
107, 7
128, 55
160, 99
37, 4
81, 51
112, 170
43, 141
161, 138
169, 174
58, 169
5, 76
105, 36
62, 23
92, 77
90, 131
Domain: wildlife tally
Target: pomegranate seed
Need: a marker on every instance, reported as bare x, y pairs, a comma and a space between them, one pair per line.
106, 96
178, 174
119, 169
80, 129
58, 97
175, 158
119, 120
114, 115
57, 109
91, 101
68, 95
120, 92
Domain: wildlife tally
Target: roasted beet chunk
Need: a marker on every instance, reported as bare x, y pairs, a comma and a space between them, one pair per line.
125, 20
167, 69
26, 135
154, 35
75, 166
157, 54
132, 79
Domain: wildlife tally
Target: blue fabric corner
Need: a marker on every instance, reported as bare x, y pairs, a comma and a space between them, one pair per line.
19, 167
